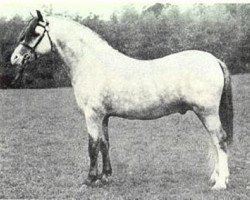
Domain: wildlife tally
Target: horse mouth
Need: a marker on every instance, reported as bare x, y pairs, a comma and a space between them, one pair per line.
19, 60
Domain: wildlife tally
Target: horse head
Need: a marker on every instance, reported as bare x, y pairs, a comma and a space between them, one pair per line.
33, 41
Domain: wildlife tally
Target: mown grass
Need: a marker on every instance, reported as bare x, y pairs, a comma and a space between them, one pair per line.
43, 151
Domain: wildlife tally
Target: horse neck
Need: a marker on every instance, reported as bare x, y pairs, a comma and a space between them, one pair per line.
77, 45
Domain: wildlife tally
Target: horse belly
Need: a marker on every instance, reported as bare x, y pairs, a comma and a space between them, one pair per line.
143, 108
146, 114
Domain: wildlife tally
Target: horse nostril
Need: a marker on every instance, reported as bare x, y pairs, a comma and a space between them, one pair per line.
27, 56
15, 57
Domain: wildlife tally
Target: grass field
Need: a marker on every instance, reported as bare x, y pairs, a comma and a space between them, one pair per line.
43, 151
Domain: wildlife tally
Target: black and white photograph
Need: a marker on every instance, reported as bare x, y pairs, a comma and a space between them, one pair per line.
125, 100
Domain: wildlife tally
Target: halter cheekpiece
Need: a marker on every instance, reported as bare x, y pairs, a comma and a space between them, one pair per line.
46, 30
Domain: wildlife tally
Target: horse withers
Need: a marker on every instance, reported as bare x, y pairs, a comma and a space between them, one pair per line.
108, 83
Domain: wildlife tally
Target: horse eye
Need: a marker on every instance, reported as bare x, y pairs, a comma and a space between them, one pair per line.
21, 39
35, 34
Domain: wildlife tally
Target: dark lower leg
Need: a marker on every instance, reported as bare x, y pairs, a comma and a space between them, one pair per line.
106, 167
93, 155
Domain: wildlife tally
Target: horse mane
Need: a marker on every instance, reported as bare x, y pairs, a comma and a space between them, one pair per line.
86, 31
94, 39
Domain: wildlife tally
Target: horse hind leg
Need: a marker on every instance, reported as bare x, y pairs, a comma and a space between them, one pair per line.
220, 174
222, 165
213, 158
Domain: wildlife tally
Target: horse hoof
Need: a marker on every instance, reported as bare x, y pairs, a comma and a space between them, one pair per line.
105, 179
96, 183
219, 186
92, 182
213, 179
88, 182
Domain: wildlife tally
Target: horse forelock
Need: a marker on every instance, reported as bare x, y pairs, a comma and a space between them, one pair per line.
28, 30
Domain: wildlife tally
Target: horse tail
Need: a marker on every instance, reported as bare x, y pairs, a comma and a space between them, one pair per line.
226, 104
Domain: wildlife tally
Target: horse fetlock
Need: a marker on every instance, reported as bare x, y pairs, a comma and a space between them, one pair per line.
107, 170
105, 179
90, 180
219, 185
214, 177
97, 181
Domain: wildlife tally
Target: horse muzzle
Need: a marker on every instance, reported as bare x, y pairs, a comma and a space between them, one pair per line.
17, 59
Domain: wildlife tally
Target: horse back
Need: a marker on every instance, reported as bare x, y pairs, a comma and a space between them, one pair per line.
151, 89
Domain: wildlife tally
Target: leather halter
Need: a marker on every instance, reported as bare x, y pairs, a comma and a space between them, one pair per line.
33, 49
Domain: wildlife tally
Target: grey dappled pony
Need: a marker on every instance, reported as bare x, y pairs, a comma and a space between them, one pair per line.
108, 83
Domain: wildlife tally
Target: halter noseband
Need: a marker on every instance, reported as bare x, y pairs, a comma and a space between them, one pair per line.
33, 49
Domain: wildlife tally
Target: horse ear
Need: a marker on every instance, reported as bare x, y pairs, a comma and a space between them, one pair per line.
31, 15
39, 16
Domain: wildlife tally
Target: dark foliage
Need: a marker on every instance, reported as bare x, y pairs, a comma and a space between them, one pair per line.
159, 30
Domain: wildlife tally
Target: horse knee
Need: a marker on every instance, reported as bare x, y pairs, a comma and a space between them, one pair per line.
94, 125
93, 148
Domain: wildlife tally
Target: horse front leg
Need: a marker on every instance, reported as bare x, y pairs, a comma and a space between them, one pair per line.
104, 144
94, 127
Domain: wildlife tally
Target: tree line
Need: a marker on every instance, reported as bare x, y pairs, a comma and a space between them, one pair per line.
157, 31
